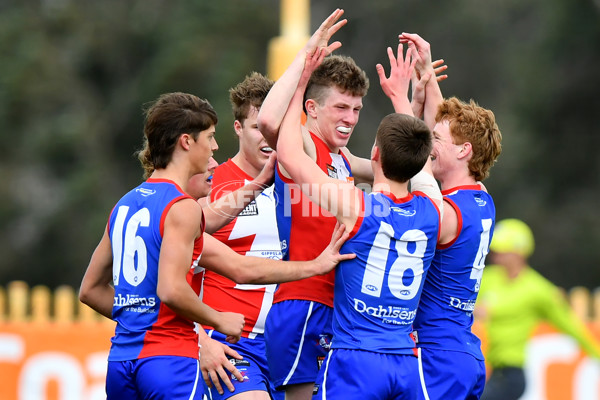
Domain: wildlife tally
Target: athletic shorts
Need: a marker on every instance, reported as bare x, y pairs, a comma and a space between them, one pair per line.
298, 336
154, 378
448, 374
364, 375
253, 367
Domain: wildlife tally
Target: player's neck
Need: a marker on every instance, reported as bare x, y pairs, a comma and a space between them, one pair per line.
384, 185
171, 173
313, 128
245, 165
457, 179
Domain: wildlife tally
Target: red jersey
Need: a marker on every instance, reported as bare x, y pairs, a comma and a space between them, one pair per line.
305, 229
253, 232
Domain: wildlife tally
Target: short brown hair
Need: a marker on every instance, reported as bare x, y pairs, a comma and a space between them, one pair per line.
340, 72
171, 115
474, 124
404, 143
251, 92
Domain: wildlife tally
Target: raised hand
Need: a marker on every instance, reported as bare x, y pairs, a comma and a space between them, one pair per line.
418, 93
438, 68
320, 39
401, 70
312, 61
422, 48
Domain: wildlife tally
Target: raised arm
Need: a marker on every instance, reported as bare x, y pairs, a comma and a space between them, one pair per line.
338, 197
433, 93
276, 103
396, 85
222, 211
217, 257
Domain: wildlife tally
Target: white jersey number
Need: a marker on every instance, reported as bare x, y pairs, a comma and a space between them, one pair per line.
378, 255
126, 245
482, 251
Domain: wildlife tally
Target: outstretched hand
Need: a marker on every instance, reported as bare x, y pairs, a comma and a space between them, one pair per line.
401, 69
330, 257
438, 68
320, 39
312, 61
422, 48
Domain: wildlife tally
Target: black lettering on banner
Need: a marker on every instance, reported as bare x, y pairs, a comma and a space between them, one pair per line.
251, 209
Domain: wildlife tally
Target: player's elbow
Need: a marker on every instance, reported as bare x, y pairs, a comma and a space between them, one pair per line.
169, 295
84, 295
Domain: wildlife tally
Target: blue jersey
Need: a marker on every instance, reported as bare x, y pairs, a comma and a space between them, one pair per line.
445, 313
145, 326
377, 293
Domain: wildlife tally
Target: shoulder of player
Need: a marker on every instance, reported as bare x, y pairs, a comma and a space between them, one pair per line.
185, 211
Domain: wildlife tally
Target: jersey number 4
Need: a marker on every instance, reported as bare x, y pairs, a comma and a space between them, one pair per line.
482, 251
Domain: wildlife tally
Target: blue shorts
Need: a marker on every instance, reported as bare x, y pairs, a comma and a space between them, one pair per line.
447, 374
298, 335
358, 374
253, 367
159, 377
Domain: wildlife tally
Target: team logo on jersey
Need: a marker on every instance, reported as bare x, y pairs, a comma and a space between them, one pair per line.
403, 212
145, 192
332, 171
251, 209
480, 202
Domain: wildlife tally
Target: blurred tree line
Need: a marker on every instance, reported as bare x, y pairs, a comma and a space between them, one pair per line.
74, 77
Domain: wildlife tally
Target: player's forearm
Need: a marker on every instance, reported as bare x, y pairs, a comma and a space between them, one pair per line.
433, 99
183, 300
267, 271
277, 101
223, 210
402, 105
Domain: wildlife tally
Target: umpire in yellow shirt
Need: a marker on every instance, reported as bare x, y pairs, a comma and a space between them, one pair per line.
512, 301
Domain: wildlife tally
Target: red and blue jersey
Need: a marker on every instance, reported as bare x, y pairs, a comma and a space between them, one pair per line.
445, 314
305, 229
253, 233
377, 293
145, 326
